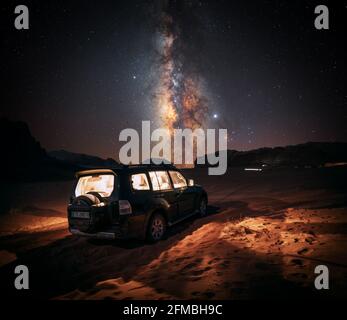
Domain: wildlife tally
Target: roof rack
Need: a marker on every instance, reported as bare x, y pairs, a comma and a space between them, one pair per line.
94, 171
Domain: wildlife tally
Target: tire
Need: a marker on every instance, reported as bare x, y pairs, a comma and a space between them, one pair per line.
97, 195
86, 200
156, 228
203, 207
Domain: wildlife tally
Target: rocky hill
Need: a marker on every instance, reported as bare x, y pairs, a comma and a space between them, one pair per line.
24, 159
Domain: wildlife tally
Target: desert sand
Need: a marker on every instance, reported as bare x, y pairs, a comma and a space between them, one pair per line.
264, 235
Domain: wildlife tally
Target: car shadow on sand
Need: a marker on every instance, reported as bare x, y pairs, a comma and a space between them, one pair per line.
70, 263
171, 231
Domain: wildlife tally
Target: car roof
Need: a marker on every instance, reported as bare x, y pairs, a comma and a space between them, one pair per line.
126, 169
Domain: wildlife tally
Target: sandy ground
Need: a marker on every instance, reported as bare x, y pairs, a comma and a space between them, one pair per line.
264, 236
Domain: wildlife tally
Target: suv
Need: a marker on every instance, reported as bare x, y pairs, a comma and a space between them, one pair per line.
132, 202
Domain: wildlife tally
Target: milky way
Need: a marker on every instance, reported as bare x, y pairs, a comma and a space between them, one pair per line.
179, 96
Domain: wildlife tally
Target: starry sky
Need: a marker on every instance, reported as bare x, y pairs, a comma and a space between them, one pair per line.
85, 70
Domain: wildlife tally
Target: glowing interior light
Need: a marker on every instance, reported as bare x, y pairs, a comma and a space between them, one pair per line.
103, 184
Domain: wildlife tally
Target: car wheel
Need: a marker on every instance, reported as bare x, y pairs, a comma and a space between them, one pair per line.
156, 228
203, 207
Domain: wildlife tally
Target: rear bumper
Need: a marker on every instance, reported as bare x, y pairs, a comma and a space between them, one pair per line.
99, 235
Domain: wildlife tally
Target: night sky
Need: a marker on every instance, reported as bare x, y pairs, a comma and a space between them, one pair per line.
85, 70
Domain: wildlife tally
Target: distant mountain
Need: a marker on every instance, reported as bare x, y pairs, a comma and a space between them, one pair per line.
313, 154
82, 160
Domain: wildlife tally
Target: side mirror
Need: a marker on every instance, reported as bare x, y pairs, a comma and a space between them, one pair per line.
190, 182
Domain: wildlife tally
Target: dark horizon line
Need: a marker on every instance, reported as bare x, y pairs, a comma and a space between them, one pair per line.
235, 150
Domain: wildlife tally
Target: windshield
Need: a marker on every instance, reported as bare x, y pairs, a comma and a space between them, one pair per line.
103, 184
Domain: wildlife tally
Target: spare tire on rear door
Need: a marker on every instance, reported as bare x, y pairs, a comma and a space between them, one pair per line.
84, 203
86, 200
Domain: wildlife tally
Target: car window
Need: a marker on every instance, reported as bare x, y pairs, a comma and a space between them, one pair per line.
101, 183
154, 180
160, 180
139, 181
164, 180
178, 180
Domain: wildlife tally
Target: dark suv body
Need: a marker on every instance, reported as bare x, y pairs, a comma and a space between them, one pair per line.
132, 201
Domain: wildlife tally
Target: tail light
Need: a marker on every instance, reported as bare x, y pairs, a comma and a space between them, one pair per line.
124, 207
